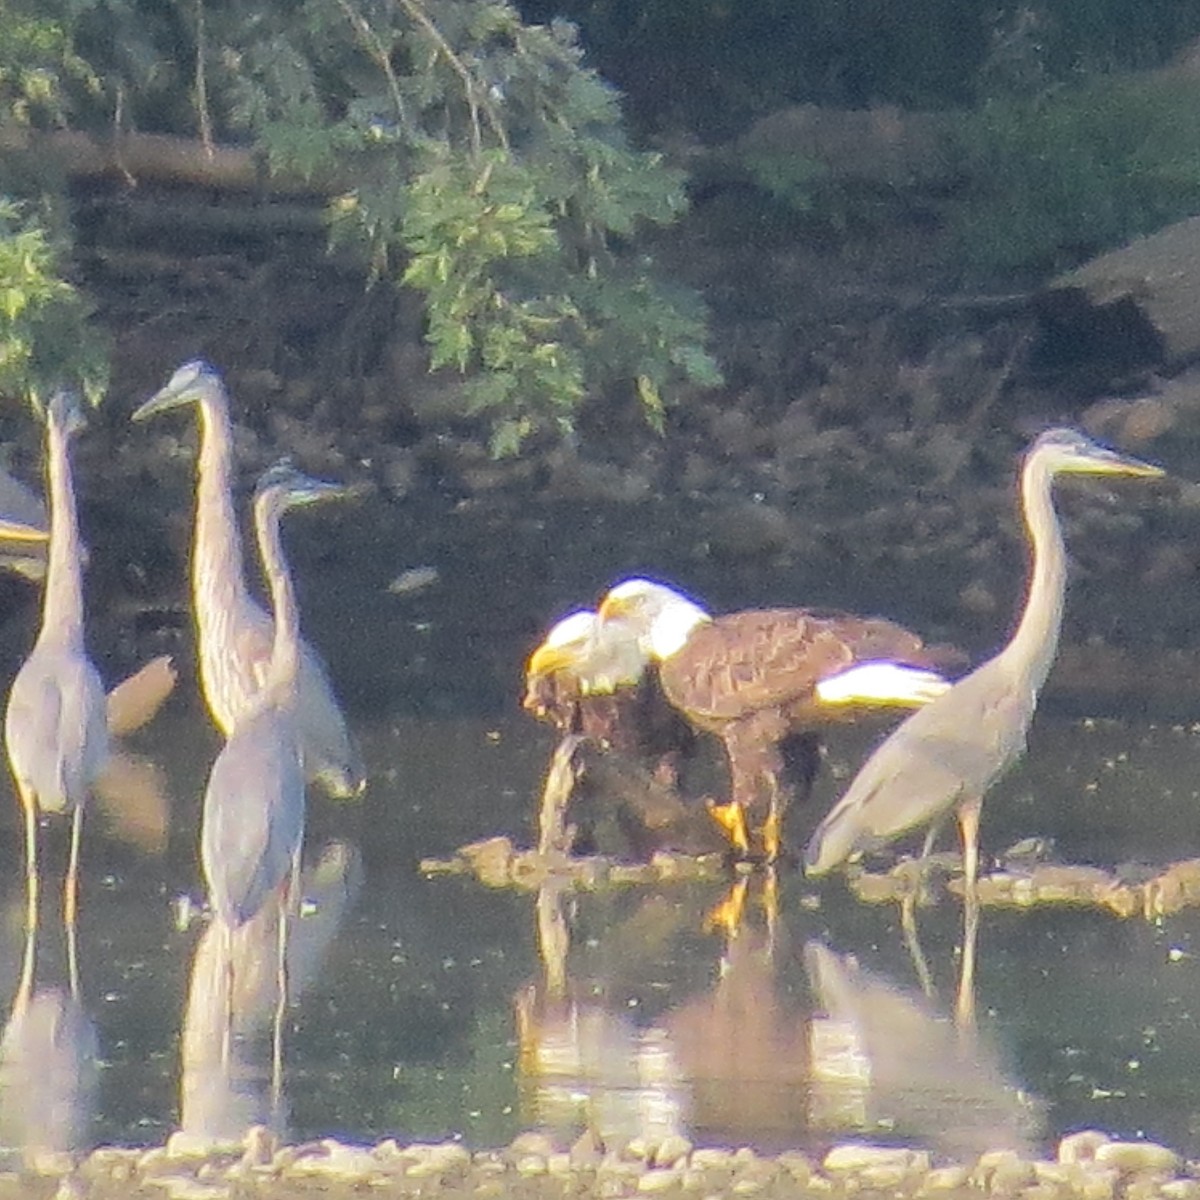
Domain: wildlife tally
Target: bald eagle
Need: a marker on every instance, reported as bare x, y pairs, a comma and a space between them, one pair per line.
594, 682
761, 677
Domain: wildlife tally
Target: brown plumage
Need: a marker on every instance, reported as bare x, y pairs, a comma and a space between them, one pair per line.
763, 678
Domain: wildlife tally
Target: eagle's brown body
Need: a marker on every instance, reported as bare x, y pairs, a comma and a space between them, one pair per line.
634, 719
751, 677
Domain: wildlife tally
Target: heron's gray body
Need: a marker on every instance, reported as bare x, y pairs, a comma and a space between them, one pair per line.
236, 635
253, 822
945, 756
942, 766
55, 727
254, 806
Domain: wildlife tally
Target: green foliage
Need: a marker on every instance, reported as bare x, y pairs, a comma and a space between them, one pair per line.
45, 340
36, 59
1053, 179
495, 177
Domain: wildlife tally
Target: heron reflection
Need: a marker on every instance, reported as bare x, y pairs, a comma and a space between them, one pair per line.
885, 1058
48, 1079
760, 1039
220, 1099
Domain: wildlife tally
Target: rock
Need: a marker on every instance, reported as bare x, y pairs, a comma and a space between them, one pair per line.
1003, 1171
799, 1166
1128, 1157
658, 1179
945, 1179
746, 1187
640, 1148
1081, 1146
709, 1157
261, 1146
531, 1143
671, 1149
349, 1164
529, 1165
1180, 1189
585, 1153
441, 1158
183, 1187
857, 1156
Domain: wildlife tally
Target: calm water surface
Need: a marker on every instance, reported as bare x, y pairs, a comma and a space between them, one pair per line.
425, 1010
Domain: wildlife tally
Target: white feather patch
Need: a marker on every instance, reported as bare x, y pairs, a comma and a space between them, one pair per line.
882, 683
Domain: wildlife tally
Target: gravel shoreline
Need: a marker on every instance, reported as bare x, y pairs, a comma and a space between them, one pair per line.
1089, 1165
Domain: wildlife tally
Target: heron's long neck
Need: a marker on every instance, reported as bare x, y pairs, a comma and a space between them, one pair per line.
217, 550
62, 609
1035, 643
285, 650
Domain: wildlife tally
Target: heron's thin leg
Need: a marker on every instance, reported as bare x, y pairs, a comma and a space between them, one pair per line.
931, 836
71, 898
289, 898
31, 896
964, 1009
968, 822
908, 923
227, 1032
281, 985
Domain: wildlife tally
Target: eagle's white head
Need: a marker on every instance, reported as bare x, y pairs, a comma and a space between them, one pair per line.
662, 618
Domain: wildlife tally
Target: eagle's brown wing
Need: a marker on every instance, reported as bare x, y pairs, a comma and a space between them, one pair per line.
760, 659
745, 662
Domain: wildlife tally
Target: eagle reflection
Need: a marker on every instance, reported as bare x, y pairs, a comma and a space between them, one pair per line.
783, 1045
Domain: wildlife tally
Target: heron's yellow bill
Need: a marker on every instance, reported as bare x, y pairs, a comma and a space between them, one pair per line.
17, 531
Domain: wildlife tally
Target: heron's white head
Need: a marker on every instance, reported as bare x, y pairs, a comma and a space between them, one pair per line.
197, 381
1069, 452
662, 618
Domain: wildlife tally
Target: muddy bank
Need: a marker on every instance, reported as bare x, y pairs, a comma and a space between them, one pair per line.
860, 456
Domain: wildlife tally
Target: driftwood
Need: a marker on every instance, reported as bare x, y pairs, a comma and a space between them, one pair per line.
1140, 304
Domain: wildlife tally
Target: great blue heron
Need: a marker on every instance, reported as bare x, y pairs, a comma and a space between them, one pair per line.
253, 819
233, 631
55, 727
944, 757
761, 677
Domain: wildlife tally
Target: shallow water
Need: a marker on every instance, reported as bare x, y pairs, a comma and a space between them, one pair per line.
425, 1011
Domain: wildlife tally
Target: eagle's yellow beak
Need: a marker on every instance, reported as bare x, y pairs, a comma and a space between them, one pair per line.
549, 660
